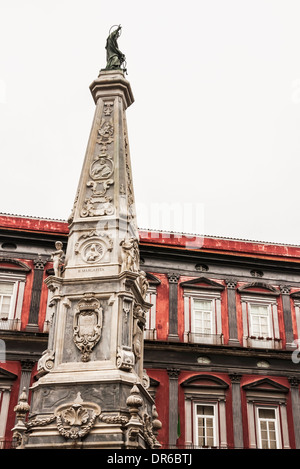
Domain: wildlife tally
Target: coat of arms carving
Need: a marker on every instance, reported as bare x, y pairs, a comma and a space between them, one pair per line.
87, 325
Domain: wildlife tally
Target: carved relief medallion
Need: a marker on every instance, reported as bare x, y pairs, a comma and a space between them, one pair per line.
94, 247
87, 325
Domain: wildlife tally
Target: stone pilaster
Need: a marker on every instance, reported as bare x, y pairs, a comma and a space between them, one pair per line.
173, 405
39, 265
232, 320
294, 383
173, 306
237, 411
287, 316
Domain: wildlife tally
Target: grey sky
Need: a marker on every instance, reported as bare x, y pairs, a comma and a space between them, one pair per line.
215, 126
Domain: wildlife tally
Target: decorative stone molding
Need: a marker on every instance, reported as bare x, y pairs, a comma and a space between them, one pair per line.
114, 419
134, 426
76, 420
87, 325
45, 363
294, 381
231, 283
173, 277
201, 267
173, 373
235, 377
146, 380
39, 263
285, 289
257, 273
125, 359
148, 431
156, 424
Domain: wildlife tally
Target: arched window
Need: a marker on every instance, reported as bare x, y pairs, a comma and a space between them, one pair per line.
267, 416
205, 416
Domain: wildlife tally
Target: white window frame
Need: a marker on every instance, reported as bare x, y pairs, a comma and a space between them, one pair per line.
13, 295
5, 391
215, 423
273, 341
212, 312
297, 313
268, 316
150, 332
189, 317
259, 420
13, 319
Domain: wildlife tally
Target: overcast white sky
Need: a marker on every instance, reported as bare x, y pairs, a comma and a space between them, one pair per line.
215, 127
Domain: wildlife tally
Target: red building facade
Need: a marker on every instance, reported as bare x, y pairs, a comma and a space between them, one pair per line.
221, 350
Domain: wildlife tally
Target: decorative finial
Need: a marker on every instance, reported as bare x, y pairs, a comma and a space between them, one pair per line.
114, 57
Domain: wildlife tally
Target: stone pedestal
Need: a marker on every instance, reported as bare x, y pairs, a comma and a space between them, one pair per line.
90, 389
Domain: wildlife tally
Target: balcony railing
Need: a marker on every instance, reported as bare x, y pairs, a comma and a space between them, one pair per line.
150, 334
10, 324
196, 338
7, 444
263, 342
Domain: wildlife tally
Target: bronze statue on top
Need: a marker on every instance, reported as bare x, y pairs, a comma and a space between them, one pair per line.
114, 57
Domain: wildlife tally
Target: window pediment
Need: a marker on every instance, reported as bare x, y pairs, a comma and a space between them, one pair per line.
13, 265
266, 385
153, 281
6, 377
259, 288
296, 295
205, 381
202, 283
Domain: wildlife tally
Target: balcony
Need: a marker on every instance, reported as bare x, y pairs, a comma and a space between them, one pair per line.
10, 324
7, 444
196, 338
262, 342
150, 334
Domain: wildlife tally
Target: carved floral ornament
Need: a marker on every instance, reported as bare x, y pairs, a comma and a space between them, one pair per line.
87, 325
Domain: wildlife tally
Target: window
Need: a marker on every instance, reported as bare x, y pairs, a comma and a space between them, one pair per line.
150, 326
203, 316
267, 425
205, 412
6, 383
205, 425
267, 414
202, 311
11, 299
260, 322
6, 295
150, 332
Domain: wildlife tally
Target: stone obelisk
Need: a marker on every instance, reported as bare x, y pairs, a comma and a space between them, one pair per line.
91, 390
